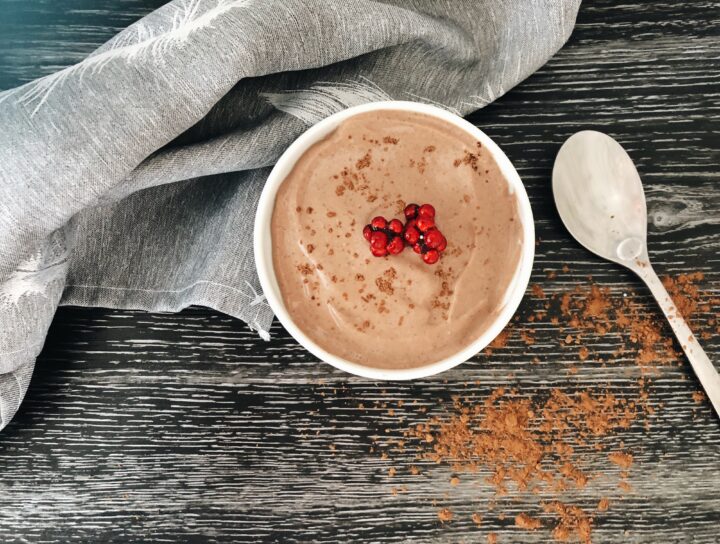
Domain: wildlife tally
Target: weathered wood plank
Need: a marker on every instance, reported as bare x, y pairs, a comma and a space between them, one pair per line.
152, 427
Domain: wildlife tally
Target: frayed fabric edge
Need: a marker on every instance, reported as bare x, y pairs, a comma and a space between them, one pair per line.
220, 297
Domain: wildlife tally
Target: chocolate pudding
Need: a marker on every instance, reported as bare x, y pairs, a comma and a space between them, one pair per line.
394, 311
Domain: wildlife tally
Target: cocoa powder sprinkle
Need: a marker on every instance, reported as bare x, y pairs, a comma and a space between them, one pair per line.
544, 443
623, 460
445, 515
528, 523
364, 162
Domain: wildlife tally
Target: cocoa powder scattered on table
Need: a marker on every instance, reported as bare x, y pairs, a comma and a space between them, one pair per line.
445, 515
526, 522
543, 444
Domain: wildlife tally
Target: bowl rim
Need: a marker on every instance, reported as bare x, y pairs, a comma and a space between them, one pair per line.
262, 242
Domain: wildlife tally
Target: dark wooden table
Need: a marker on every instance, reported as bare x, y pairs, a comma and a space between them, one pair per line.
187, 427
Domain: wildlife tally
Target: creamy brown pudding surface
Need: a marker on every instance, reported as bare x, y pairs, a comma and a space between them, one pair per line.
395, 311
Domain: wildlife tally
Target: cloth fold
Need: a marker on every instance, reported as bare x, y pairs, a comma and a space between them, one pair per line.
130, 180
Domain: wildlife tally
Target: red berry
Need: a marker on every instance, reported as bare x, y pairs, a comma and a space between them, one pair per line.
411, 211
419, 232
378, 222
411, 235
395, 226
433, 237
431, 256
367, 231
395, 246
378, 240
425, 223
442, 245
427, 210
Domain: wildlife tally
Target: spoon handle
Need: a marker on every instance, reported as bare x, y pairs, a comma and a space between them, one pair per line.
703, 367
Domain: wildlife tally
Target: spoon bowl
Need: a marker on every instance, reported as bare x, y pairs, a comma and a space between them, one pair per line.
600, 198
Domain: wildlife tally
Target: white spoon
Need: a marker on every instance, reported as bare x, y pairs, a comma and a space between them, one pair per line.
600, 198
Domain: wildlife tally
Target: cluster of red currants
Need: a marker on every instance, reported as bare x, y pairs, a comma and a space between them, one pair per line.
419, 232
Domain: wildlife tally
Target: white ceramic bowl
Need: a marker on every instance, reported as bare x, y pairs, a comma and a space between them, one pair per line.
263, 242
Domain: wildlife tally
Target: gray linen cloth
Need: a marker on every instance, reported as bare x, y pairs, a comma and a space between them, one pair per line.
130, 180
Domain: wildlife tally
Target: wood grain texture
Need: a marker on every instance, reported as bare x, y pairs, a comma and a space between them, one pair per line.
157, 428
